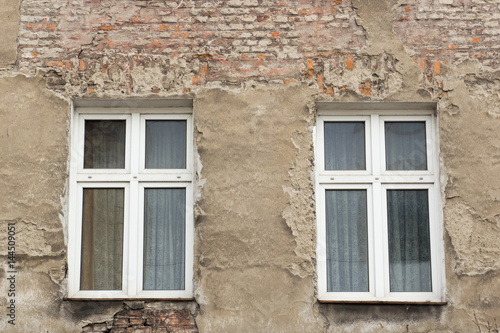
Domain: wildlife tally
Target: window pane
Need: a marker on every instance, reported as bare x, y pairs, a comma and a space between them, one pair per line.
102, 239
409, 240
345, 146
346, 240
104, 144
405, 146
165, 144
164, 238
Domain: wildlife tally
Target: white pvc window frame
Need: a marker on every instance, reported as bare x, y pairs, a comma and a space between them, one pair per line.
377, 180
133, 179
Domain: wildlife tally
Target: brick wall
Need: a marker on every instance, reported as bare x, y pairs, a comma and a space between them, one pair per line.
451, 31
91, 44
147, 321
200, 42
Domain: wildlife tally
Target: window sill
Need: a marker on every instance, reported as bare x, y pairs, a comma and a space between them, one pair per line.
381, 302
98, 299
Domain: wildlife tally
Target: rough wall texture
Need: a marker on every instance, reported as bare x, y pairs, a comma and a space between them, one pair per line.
9, 12
254, 69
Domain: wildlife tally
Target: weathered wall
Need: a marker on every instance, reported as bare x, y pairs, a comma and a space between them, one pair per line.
254, 69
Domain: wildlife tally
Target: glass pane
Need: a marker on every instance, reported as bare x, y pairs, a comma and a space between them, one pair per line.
345, 146
165, 144
346, 240
104, 144
164, 238
409, 240
405, 146
102, 239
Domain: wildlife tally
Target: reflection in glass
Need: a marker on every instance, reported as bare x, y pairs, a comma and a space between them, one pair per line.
346, 240
104, 144
165, 144
164, 238
345, 146
409, 240
102, 239
405, 146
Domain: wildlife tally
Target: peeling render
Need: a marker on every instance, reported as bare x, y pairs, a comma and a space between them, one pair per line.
254, 69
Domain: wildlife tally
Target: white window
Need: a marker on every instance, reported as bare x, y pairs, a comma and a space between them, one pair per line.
131, 203
379, 220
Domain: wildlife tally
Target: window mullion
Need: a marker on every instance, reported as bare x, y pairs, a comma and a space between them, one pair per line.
135, 148
379, 241
375, 145
133, 231
133, 205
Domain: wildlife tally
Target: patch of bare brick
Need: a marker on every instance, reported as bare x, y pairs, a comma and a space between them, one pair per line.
147, 321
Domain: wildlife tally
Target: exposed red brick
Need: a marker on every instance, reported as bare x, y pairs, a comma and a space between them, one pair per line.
41, 26
106, 27
319, 79
329, 91
350, 62
310, 68
437, 67
421, 63
196, 80
53, 63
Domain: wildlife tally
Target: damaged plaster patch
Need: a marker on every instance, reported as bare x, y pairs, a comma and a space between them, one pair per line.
144, 316
33, 238
484, 86
300, 204
33, 197
470, 144
377, 18
255, 240
474, 239
375, 76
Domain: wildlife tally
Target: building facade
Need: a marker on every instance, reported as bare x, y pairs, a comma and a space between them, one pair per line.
328, 166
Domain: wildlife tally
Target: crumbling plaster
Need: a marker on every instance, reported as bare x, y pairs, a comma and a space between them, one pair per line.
255, 220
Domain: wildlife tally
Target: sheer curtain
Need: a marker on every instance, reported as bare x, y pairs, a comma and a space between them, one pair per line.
164, 208
409, 240
166, 144
164, 238
102, 239
408, 210
405, 146
345, 146
347, 240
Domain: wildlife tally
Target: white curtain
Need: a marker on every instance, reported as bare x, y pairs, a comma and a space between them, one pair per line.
347, 240
345, 146
405, 146
164, 238
409, 240
165, 144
